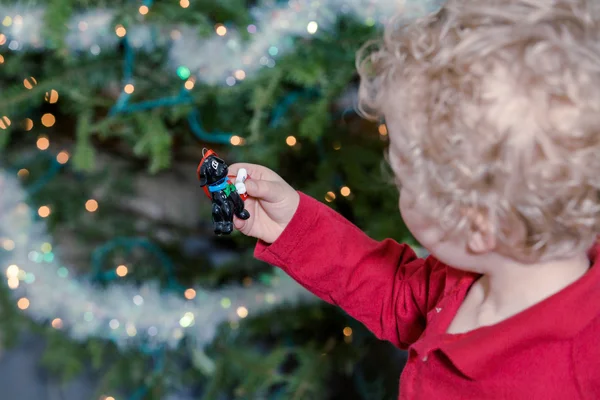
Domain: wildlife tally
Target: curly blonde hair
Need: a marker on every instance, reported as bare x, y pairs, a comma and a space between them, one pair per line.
498, 110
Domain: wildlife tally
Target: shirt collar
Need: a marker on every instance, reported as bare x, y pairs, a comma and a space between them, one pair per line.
554, 318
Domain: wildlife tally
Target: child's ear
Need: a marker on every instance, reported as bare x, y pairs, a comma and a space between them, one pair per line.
481, 238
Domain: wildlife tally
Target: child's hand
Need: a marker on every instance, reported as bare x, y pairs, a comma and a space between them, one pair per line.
271, 202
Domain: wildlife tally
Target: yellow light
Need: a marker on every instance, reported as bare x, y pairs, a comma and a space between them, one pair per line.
221, 30
189, 84
347, 331
43, 143
62, 157
129, 88
13, 283
312, 27
184, 3
44, 211
48, 120
190, 294
23, 303
46, 247
28, 124
52, 96
122, 270
91, 205
383, 130
57, 323
329, 197
236, 140
240, 75
4, 122
29, 83
291, 141
2, 39
23, 173
8, 245
109, 398
1, 59
144, 10
345, 191
12, 271
242, 312
120, 30
7, 21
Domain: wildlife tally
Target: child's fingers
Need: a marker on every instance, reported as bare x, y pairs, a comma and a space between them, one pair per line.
254, 171
271, 192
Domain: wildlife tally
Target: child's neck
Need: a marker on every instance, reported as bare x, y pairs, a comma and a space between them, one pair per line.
509, 288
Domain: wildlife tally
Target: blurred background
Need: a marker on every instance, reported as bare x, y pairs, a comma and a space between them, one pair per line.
115, 287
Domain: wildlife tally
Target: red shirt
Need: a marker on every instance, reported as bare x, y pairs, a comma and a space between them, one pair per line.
549, 351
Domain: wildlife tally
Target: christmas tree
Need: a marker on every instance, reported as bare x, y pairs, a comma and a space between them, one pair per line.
107, 243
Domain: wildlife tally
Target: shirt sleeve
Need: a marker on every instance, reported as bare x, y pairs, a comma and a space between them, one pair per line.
586, 361
382, 284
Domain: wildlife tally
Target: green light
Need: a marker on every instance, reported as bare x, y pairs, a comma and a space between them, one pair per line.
183, 72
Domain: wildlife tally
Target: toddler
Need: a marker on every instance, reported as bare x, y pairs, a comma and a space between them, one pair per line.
493, 113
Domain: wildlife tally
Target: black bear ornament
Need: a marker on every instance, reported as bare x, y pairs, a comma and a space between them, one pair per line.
227, 196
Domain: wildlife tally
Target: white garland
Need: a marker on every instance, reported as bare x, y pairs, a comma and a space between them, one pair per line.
126, 314
219, 59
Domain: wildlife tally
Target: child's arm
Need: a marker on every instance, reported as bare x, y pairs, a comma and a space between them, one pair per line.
382, 284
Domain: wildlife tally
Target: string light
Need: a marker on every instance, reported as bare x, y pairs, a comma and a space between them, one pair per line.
23, 303
291, 141
184, 3
225, 302
122, 270
383, 130
13, 283
347, 331
29, 83
144, 10
62, 157
91, 205
190, 294
329, 197
27, 124
345, 191
52, 96
57, 323
43, 143
48, 120
7, 21
242, 312
240, 75
2, 39
312, 27
221, 30
44, 211
1, 59
189, 84
235, 140
4, 122
129, 88
8, 245
23, 173
12, 271
120, 31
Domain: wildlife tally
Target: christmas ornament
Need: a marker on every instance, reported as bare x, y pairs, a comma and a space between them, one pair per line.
226, 195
